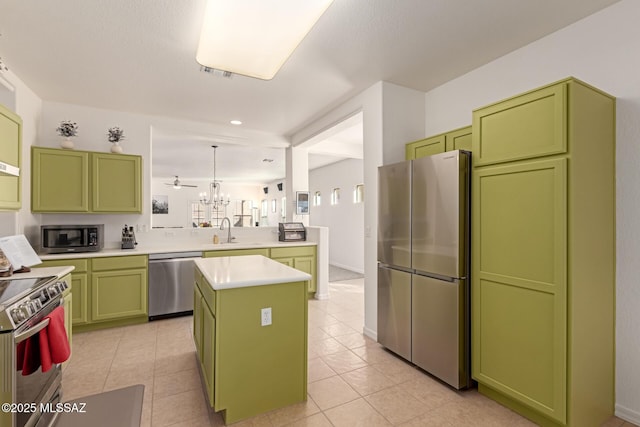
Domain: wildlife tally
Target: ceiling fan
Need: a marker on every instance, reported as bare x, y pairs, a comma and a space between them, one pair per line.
176, 184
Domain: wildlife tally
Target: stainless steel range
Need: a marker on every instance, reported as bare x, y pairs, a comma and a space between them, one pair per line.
24, 303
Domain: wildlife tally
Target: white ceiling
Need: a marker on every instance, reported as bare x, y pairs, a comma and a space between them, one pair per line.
139, 56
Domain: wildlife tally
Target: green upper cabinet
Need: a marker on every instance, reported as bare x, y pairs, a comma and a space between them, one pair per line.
116, 183
530, 125
61, 181
425, 147
10, 153
543, 253
459, 139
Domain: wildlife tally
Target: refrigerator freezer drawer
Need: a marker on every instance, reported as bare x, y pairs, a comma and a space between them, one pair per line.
394, 311
439, 325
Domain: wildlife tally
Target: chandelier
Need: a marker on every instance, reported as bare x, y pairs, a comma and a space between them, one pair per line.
215, 198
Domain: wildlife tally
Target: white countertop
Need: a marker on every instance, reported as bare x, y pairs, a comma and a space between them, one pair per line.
43, 272
173, 247
247, 270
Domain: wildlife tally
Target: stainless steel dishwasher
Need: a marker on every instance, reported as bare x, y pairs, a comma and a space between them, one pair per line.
171, 278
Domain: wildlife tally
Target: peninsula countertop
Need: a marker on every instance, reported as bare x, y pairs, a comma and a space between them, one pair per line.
247, 270
171, 247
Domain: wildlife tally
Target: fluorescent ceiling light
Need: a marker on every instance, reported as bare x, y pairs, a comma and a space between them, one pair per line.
255, 37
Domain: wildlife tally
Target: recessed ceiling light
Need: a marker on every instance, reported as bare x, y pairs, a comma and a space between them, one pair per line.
235, 122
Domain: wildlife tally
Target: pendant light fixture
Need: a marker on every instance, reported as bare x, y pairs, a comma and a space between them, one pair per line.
255, 37
215, 198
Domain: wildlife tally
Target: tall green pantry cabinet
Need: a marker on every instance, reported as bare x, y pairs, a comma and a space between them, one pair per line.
10, 157
543, 258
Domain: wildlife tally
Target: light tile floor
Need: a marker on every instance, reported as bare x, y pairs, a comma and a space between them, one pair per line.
352, 381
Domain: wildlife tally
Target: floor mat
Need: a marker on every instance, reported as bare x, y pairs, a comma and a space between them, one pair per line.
121, 408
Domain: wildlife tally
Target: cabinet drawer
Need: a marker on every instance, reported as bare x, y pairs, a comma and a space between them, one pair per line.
119, 262
530, 125
236, 252
208, 294
293, 251
80, 265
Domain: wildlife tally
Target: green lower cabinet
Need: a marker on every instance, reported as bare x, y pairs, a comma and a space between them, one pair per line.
302, 258
80, 300
118, 294
208, 354
197, 320
107, 291
237, 252
250, 369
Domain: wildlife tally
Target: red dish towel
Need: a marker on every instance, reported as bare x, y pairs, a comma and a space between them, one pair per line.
54, 345
28, 355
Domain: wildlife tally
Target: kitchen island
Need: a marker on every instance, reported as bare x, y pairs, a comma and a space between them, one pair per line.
250, 331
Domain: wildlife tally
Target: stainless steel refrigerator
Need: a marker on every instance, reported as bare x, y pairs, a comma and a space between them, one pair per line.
423, 263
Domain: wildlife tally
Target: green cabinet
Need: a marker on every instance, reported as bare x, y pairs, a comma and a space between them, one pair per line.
249, 369
107, 291
11, 154
459, 139
68, 307
118, 287
83, 181
237, 252
302, 258
543, 237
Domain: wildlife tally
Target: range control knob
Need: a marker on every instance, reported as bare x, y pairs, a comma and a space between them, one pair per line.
18, 315
53, 291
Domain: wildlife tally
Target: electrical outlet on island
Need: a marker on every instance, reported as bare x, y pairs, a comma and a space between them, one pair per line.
265, 316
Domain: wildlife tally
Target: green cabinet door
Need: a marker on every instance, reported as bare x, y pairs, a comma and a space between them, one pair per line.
11, 154
237, 252
197, 320
118, 294
80, 298
116, 183
59, 180
208, 359
302, 258
459, 139
425, 147
519, 283
530, 125
308, 265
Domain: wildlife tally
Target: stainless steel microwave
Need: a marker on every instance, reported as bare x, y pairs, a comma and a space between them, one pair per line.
57, 239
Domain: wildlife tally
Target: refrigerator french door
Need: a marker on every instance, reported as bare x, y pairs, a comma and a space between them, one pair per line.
427, 294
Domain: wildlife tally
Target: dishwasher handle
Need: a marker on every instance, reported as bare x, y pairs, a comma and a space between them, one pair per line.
174, 256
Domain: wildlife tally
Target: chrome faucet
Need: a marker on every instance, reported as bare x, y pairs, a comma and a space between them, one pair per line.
226, 218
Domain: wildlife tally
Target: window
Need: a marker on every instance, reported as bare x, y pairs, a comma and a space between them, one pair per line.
358, 193
317, 198
273, 205
283, 212
197, 214
335, 196
264, 208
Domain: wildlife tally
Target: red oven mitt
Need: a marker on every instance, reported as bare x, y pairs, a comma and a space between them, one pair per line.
54, 344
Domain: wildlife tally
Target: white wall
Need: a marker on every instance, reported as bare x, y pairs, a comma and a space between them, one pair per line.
601, 50
345, 220
180, 200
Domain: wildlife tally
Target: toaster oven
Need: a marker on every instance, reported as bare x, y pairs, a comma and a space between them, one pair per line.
291, 232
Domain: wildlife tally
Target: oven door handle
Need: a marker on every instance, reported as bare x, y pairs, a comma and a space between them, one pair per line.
32, 331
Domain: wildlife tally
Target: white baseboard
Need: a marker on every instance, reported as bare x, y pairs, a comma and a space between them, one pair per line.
370, 333
347, 267
628, 414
